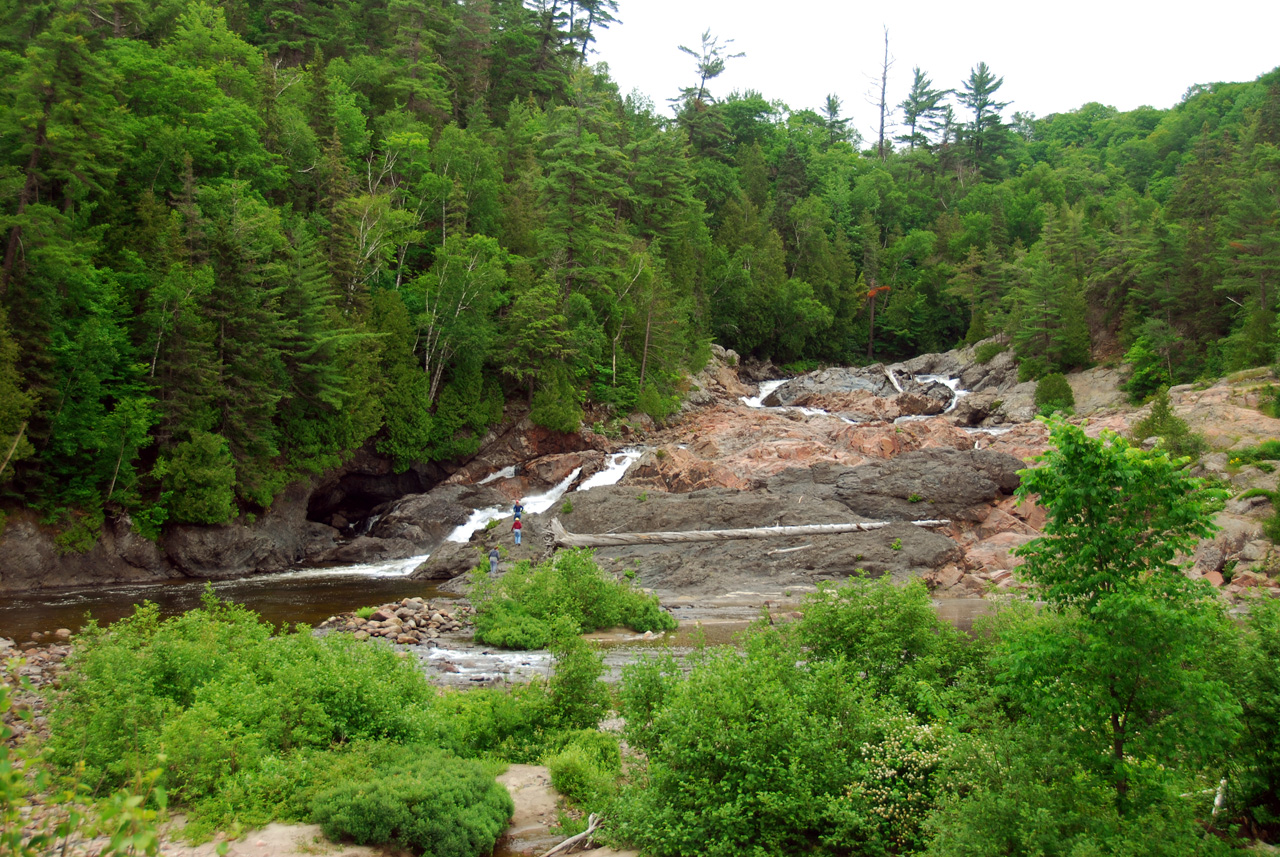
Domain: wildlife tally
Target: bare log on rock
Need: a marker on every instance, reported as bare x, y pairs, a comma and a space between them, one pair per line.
574, 842
564, 538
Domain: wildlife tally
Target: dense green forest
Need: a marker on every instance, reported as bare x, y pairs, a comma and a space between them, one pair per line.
243, 239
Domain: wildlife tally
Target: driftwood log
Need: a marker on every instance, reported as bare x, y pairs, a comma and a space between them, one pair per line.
562, 537
574, 842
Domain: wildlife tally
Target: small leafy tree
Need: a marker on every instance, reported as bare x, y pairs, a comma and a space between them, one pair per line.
1118, 666
202, 478
1175, 435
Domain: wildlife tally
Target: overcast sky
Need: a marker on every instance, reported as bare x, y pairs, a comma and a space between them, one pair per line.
1052, 56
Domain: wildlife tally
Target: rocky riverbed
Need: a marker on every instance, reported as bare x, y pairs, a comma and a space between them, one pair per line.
938, 436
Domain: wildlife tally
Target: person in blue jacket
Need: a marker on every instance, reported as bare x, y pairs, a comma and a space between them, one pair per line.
518, 509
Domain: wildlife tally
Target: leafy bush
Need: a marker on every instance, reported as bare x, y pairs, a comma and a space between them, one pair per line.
531, 606
657, 404
79, 531
987, 351
1053, 393
890, 634
586, 768
128, 816
427, 802
1032, 369
556, 406
1024, 795
747, 754
1269, 400
526, 722
903, 780
800, 367
1268, 450
219, 696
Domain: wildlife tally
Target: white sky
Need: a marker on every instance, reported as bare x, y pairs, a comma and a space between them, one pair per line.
1052, 56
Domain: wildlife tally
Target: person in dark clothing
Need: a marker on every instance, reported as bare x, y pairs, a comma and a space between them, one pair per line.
518, 509
493, 560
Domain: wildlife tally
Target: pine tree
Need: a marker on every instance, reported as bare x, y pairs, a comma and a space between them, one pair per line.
921, 110
985, 131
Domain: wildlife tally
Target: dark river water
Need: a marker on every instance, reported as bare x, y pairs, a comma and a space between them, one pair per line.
308, 597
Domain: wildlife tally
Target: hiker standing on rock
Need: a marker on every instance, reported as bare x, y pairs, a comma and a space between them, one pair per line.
518, 510
493, 560
515, 528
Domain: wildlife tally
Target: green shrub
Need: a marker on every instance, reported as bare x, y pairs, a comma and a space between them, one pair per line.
1054, 394
987, 351
129, 816
1023, 794
1268, 450
1269, 401
427, 802
746, 759
202, 480
79, 531
890, 634
531, 606
576, 698
364, 612
657, 404
528, 721
217, 694
1032, 369
1175, 435
586, 769
800, 367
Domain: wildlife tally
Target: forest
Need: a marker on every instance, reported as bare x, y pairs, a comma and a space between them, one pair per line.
244, 239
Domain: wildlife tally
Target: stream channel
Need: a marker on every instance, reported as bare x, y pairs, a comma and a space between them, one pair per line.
311, 595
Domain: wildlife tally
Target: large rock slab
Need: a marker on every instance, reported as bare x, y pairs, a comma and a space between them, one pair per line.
794, 497
933, 483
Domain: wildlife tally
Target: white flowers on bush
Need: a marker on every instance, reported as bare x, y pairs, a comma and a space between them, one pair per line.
899, 784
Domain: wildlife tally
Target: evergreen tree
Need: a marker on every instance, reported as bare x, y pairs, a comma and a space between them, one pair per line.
921, 110
977, 93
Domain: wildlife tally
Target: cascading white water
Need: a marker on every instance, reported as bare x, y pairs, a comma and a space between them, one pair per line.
534, 504
766, 387
617, 467
386, 568
953, 384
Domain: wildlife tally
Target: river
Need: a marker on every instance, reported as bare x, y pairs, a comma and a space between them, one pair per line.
302, 595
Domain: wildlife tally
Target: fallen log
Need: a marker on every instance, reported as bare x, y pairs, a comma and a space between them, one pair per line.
593, 821
562, 537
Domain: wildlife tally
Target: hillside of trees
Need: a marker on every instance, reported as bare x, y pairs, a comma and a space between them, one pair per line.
244, 239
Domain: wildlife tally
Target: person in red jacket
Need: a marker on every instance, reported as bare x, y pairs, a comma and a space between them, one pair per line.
515, 528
